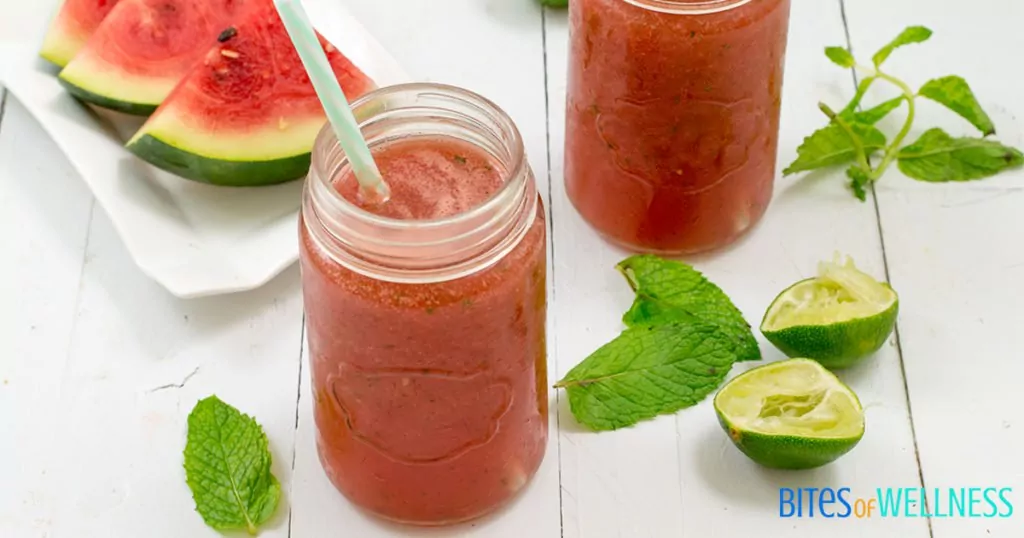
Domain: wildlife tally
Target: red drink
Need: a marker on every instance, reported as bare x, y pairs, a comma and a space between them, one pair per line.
427, 350
673, 118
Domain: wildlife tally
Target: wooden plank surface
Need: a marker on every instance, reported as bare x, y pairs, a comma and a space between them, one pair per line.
44, 210
100, 366
955, 257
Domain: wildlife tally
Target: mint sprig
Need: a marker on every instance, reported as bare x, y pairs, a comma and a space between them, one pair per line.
227, 467
936, 156
851, 138
670, 291
648, 371
683, 336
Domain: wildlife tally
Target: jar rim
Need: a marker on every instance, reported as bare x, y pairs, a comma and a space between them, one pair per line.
689, 7
425, 250
326, 140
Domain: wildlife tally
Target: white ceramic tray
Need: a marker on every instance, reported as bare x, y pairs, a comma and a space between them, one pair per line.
195, 240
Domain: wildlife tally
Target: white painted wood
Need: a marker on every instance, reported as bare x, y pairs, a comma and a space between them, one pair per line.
493, 47
955, 259
91, 444
124, 420
93, 425
682, 476
44, 215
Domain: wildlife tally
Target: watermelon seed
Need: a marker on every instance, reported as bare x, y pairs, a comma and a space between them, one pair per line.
227, 34
282, 124
329, 48
229, 53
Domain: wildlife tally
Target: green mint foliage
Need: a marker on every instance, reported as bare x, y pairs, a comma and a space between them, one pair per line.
938, 157
840, 56
854, 105
648, 371
227, 467
859, 181
851, 135
914, 34
669, 291
955, 94
832, 145
874, 115
555, 3
683, 336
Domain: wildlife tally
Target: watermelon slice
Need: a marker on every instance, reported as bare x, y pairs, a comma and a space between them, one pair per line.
75, 22
247, 114
143, 48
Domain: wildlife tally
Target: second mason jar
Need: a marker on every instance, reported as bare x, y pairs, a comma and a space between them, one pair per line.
426, 315
672, 118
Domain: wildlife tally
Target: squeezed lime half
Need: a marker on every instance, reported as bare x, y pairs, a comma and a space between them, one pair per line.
838, 318
793, 414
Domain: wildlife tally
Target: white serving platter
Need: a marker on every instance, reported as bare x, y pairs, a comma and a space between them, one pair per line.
195, 240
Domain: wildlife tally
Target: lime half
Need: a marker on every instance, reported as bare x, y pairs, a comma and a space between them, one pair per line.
837, 319
793, 414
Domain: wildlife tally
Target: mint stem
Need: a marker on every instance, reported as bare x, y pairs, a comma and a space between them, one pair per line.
893, 150
862, 156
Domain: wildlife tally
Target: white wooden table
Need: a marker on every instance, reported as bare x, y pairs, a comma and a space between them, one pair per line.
99, 366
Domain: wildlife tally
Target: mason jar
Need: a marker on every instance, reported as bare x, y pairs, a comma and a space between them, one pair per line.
672, 118
425, 316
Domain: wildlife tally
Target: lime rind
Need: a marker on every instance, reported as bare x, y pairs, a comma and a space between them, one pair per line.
795, 397
793, 414
837, 318
839, 293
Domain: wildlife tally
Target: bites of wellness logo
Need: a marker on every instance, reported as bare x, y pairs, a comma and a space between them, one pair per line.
841, 503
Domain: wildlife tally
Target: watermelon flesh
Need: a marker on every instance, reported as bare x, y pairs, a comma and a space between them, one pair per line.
143, 48
74, 23
247, 113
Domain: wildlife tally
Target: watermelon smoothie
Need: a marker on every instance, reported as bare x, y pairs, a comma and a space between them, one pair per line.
672, 118
426, 317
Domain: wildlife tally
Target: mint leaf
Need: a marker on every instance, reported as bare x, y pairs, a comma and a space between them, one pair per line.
854, 104
874, 115
670, 291
227, 467
840, 56
938, 157
858, 180
955, 94
831, 145
914, 34
646, 372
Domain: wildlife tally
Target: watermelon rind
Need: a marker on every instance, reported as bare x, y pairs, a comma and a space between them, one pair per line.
261, 155
58, 47
68, 33
127, 107
216, 171
237, 120
136, 95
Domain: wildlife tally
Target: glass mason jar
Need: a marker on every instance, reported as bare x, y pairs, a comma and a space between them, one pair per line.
427, 337
672, 118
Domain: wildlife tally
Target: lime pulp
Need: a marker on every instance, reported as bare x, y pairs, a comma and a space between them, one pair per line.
838, 318
793, 414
